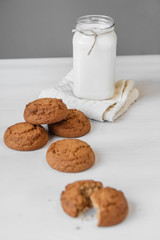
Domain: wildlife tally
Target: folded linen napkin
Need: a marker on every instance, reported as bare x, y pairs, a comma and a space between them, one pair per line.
109, 110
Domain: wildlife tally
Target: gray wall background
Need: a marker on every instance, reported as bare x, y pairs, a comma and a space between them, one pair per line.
42, 28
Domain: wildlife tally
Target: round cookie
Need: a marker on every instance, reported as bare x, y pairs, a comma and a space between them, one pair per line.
70, 155
75, 125
76, 197
25, 137
111, 204
45, 111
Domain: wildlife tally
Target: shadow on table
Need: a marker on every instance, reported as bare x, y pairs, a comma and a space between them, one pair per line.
132, 211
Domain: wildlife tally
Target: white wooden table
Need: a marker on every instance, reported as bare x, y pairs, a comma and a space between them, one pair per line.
127, 158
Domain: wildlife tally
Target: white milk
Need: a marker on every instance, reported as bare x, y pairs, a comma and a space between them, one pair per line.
94, 74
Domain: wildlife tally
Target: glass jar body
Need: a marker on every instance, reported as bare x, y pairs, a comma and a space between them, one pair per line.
94, 74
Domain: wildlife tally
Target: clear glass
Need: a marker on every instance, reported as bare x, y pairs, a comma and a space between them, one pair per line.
94, 73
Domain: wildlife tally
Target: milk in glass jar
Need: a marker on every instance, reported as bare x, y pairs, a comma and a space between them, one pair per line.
94, 56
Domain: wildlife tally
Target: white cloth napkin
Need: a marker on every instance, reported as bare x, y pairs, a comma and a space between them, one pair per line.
109, 110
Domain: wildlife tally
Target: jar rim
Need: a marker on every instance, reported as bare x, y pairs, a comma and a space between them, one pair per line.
100, 19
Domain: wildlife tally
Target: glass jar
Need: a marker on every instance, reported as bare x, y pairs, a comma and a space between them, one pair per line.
94, 56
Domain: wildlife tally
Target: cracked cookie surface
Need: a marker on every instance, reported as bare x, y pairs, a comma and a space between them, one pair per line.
75, 125
70, 155
45, 111
111, 204
76, 197
25, 137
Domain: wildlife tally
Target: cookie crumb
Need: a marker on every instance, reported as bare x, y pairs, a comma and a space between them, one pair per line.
78, 227
83, 217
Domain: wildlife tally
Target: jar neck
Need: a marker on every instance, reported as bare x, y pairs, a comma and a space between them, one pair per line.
95, 23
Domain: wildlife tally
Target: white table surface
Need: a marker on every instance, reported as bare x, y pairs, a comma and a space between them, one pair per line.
127, 158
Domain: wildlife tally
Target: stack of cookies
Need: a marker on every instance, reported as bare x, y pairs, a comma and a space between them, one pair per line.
69, 155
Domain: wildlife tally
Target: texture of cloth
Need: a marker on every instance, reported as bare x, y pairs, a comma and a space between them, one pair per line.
109, 110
